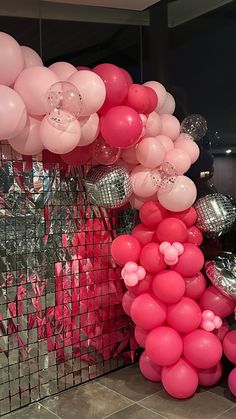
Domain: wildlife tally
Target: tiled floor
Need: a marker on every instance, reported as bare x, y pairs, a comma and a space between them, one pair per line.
125, 394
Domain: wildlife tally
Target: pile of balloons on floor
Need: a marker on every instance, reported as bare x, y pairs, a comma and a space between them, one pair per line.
136, 152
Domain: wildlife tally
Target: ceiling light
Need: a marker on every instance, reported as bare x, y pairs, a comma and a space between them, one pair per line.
228, 151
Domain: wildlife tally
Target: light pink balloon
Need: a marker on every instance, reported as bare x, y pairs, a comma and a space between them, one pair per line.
63, 70
92, 90
136, 202
129, 155
150, 152
189, 146
32, 85
60, 141
13, 115
169, 105
153, 125
89, 129
31, 57
180, 197
166, 142
160, 91
144, 121
142, 183
11, 59
28, 142
179, 159
170, 126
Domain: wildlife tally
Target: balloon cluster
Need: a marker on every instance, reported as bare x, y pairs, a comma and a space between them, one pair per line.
178, 318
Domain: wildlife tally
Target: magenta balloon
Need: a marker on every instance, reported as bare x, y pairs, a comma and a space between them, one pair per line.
169, 105
140, 335
150, 152
115, 82
160, 91
184, 316
63, 70
28, 142
222, 331
11, 59
153, 125
32, 85
121, 127
149, 370
189, 146
127, 302
212, 299
180, 197
179, 159
168, 286
148, 312
195, 286
128, 77
89, 129
78, 156
164, 346
229, 345
180, 380
232, 382
202, 349
31, 57
13, 115
210, 376
170, 126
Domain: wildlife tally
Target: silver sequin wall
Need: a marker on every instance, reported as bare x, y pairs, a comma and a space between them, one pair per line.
61, 319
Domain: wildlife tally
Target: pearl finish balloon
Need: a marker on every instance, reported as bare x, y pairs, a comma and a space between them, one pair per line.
11, 59
222, 273
89, 129
150, 152
178, 158
189, 146
160, 91
13, 115
169, 105
166, 142
194, 125
28, 142
180, 197
142, 183
170, 126
63, 70
153, 125
31, 57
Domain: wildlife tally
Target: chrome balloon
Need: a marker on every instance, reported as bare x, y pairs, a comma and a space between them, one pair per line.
222, 273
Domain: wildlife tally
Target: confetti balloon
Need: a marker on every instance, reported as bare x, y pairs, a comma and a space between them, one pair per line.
194, 125
109, 186
222, 273
64, 95
103, 153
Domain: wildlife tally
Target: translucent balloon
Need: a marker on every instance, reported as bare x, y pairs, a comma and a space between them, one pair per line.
64, 95
164, 176
31, 57
105, 154
194, 125
11, 59
63, 70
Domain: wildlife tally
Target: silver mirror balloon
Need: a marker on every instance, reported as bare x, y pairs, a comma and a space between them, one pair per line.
194, 125
216, 214
108, 186
222, 273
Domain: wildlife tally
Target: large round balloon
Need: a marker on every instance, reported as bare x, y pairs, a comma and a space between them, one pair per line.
142, 184
28, 142
190, 262
180, 380
202, 349
180, 197
168, 286
164, 346
150, 152
148, 312
210, 376
31, 57
184, 316
229, 345
13, 115
89, 129
11, 59
143, 234
125, 248
149, 370
160, 92
63, 70
232, 382
152, 213
171, 230
195, 286
151, 258
212, 299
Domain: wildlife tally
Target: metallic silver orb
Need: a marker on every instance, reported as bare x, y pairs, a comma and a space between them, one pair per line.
108, 186
222, 273
194, 125
216, 214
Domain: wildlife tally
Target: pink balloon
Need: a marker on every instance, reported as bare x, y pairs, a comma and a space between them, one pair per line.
137, 98
202, 349
195, 286
92, 90
127, 302
129, 155
151, 258
213, 300
229, 345
153, 125
32, 85
169, 105
150, 152
31, 57
160, 91
144, 121
189, 146
89, 129
210, 376
11, 59
190, 262
180, 197
195, 236
125, 248
179, 159
63, 70
168, 286
189, 216
149, 370
78, 156
143, 234
140, 336
142, 183
57, 140
164, 346
137, 202
232, 382
184, 316
180, 380
222, 331
28, 142
127, 75
13, 115
170, 126
166, 142
152, 213
148, 312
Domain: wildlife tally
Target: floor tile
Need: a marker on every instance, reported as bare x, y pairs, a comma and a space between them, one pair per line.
130, 382
88, 401
34, 411
135, 412
230, 414
222, 389
203, 404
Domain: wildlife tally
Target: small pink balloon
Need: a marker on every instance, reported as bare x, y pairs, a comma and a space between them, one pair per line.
31, 57
160, 91
142, 183
169, 105
130, 267
208, 315
60, 141
103, 153
150, 152
170, 126
63, 70
89, 129
179, 159
188, 146
32, 85
13, 115
166, 142
153, 125
11, 59
28, 142
129, 155
208, 325
149, 370
217, 322
180, 197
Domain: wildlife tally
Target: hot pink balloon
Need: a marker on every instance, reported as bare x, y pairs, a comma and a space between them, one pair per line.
189, 146
152, 100
143, 234
150, 152
148, 312
143, 286
28, 142
151, 258
168, 286
57, 140
232, 382
153, 125
13, 115
180, 197
202, 349
142, 183
89, 129
180, 380
140, 336
169, 105
166, 142
92, 90
128, 77
170, 126
63, 70
179, 159
11, 59
149, 370
129, 155
210, 376
184, 316
220, 304
160, 91
127, 302
31, 57
195, 286
222, 331
83, 67
229, 344
137, 98
164, 346
32, 85
78, 156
